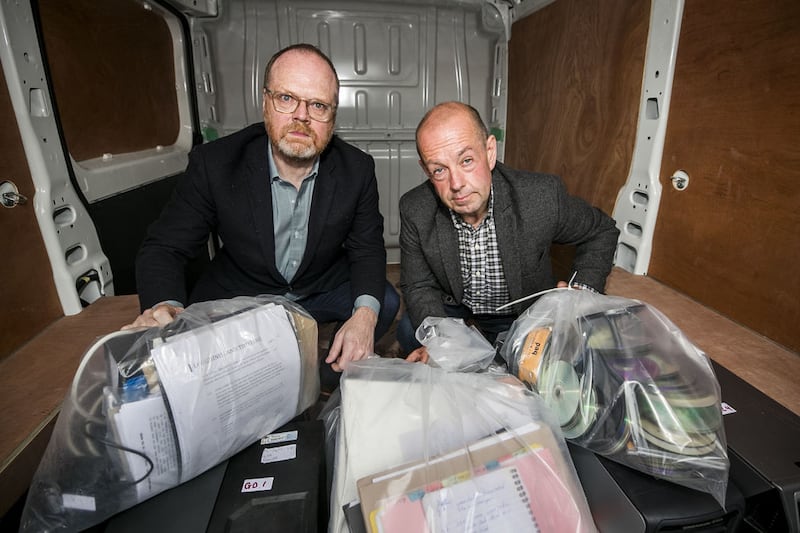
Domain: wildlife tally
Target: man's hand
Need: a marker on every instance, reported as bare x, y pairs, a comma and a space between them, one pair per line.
418, 355
355, 339
160, 315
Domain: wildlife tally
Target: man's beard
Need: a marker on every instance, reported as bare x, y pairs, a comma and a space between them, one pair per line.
297, 150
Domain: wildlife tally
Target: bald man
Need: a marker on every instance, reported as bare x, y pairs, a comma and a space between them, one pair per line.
477, 234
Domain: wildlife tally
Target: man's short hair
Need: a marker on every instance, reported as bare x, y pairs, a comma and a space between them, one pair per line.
477, 121
302, 47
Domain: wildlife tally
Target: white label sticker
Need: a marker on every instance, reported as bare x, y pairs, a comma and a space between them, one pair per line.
273, 438
257, 484
77, 501
727, 409
281, 453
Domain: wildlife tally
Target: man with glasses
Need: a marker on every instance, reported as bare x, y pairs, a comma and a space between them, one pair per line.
295, 207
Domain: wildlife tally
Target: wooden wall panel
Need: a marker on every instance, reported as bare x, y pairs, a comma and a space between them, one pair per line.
112, 97
575, 77
28, 294
732, 239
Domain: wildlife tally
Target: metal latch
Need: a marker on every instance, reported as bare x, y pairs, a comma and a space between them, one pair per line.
10, 196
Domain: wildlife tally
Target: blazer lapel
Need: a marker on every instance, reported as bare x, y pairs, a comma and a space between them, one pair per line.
448, 245
257, 178
324, 194
507, 234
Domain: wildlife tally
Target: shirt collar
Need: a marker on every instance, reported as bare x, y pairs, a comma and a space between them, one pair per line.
273, 169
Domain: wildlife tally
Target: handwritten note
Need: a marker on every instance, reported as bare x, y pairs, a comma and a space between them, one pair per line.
494, 502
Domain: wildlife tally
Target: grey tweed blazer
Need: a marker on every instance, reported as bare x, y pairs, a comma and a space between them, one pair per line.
532, 211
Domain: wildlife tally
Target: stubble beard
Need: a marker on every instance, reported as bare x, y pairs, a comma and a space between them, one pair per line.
300, 151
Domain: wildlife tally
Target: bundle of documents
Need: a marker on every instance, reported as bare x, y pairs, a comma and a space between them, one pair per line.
513, 481
152, 408
450, 452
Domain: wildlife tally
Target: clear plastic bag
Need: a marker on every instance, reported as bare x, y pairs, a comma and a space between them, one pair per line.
624, 382
453, 345
149, 409
419, 448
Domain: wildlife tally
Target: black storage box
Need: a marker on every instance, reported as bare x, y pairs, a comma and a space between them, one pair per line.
274, 485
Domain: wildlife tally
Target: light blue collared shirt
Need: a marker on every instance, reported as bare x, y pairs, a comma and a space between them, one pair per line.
290, 212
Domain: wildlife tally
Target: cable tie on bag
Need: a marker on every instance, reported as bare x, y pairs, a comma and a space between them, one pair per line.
570, 284
534, 295
572, 279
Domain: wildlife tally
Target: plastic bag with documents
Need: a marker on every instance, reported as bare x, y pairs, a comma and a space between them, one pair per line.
149, 409
422, 449
626, 383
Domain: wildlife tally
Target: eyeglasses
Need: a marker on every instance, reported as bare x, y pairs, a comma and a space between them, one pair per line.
287, 103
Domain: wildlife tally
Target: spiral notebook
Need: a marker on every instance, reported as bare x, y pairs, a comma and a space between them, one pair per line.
513, 484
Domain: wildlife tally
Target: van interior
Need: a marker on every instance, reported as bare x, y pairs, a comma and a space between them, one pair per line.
678, 118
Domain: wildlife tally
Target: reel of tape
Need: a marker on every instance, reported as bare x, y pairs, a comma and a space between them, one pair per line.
560, 389
612, 432
586, 414
529, 358
618, 332
692, 412
677, 442
644, 367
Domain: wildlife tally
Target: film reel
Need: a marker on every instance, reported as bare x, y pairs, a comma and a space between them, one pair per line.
560, 390
585, 415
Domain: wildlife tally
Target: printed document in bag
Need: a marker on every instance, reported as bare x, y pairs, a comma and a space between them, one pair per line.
229, 381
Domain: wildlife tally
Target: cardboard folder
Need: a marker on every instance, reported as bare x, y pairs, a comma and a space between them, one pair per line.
515, 479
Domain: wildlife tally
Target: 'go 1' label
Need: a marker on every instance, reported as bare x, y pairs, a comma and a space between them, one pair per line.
257, 484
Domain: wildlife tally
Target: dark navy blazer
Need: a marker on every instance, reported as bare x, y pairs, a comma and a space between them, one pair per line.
225, 190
